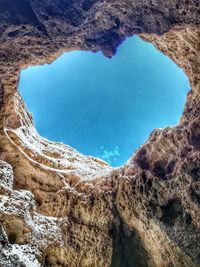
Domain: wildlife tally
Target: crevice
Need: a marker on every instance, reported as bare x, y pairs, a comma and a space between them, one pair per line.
128, 250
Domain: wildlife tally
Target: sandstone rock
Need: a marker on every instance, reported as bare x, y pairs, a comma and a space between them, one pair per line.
61, 208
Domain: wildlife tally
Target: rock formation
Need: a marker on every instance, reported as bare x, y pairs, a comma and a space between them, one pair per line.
61, 208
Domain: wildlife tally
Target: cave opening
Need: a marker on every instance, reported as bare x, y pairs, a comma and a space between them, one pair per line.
105, 107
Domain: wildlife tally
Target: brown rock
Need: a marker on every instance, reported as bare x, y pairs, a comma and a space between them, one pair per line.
67, 209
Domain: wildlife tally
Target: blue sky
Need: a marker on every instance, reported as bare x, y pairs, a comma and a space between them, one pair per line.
105, 107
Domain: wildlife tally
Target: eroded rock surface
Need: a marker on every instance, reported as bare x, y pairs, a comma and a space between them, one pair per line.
61, 208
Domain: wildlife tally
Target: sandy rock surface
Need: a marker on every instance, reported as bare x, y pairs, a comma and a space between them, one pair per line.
61, 208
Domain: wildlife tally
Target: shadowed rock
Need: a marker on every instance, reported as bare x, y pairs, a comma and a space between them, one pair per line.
61, 208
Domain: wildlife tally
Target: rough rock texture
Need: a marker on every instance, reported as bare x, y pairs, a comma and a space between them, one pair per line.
61, 208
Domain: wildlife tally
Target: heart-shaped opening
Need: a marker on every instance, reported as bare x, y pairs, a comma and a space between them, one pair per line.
105, 107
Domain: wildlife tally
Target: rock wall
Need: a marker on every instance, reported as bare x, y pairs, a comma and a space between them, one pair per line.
61, 208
